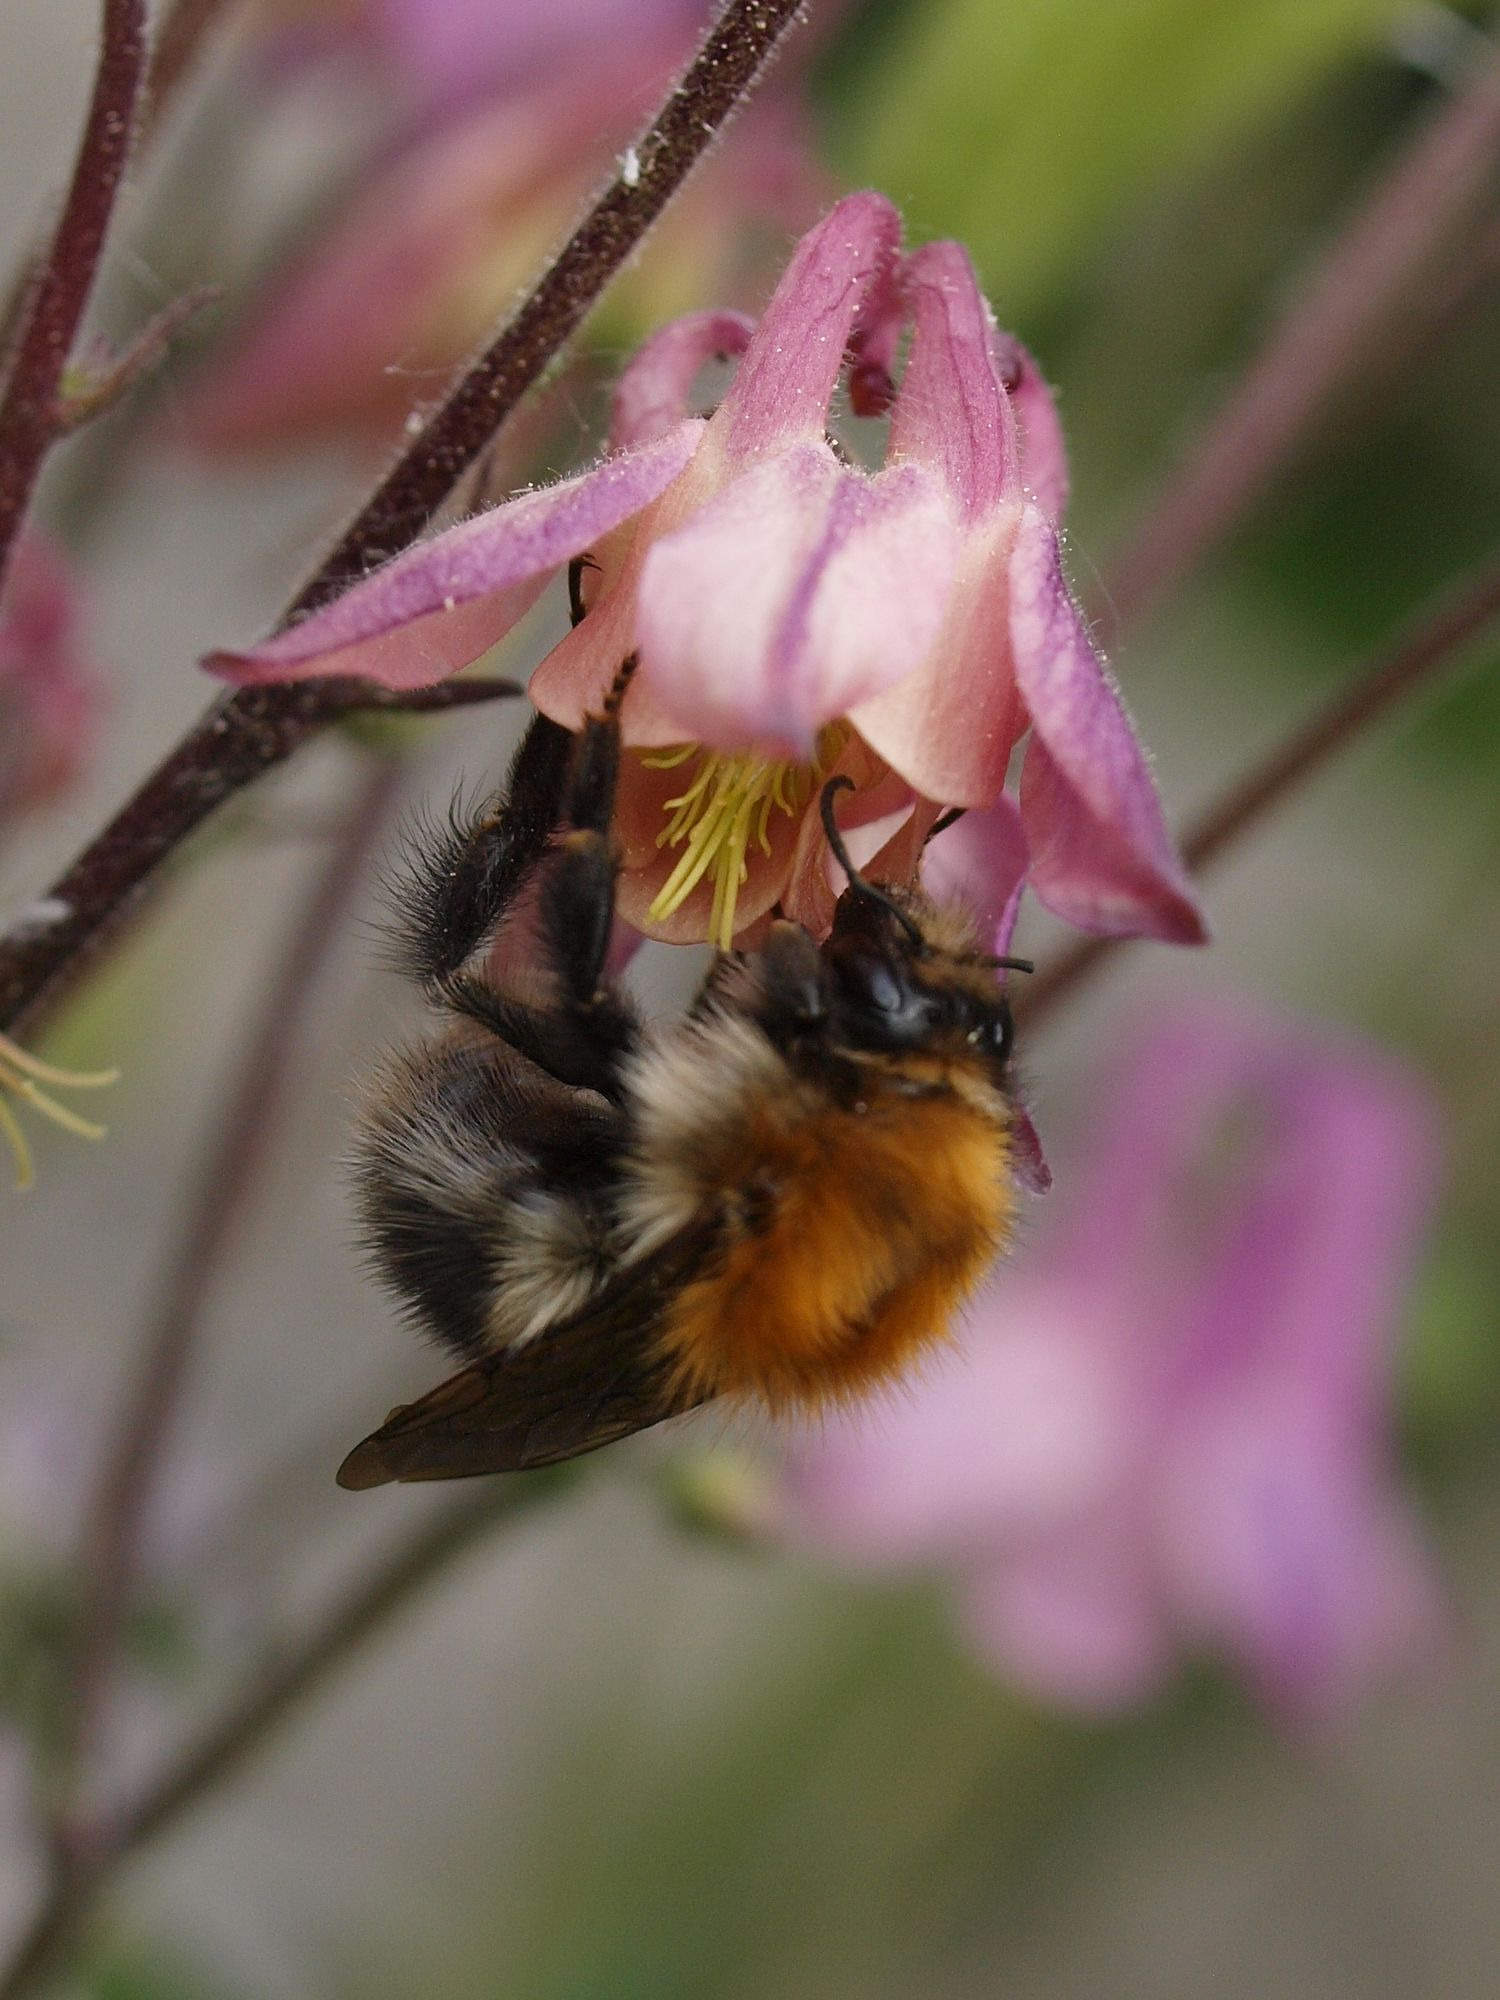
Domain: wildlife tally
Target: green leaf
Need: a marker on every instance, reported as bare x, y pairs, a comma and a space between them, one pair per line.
1024, 126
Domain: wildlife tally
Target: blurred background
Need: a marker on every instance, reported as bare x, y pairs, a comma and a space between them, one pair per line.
612, 1752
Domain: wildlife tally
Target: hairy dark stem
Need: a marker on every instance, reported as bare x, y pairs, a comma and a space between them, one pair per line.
112, 1528
91, 1854
239, 740
716, 82
1351, 300
51, 313
1429, 646
258, 727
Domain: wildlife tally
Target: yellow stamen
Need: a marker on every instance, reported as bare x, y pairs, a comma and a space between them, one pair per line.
726, 805
22, 1075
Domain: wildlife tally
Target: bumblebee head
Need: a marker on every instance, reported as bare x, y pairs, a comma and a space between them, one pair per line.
904, 972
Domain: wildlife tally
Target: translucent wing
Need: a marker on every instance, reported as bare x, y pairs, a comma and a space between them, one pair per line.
583, 1383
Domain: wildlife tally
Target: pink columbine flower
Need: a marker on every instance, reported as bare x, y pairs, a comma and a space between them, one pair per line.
797, 616
528, 111
1170, 1429
446, 51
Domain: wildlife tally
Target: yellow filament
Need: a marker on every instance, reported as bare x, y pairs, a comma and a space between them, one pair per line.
22, 1075
725, 806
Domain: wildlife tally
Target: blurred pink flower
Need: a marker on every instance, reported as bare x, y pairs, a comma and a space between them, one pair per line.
796, 616
447, 50
48, 696
531, 108
1170, 1427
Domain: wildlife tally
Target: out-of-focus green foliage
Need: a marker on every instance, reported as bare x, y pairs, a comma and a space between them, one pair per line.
1021, 127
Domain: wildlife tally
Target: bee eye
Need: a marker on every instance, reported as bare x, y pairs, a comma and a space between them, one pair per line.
882, 990
881, 1007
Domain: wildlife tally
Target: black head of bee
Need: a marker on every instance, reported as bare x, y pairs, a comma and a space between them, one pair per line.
899, 982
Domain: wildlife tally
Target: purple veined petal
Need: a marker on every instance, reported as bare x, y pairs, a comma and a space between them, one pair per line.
440, 604
799, 590
952, 414
1044, 456
651, 395
1101, 856
784, 384
981, 862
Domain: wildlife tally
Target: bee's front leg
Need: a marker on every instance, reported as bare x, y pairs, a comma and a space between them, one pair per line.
582, 1033
576, 903
462, 876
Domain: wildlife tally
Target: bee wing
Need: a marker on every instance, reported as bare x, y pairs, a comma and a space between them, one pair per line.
584, 1383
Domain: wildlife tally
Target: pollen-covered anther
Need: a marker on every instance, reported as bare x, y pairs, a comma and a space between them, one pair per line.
726, 805
22, 1076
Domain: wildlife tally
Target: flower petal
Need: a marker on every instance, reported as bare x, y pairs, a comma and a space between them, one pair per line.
982, 862
880, 800
651, 395
1073, 1618
801, 590
1285, 1546
949, 727
49, 699
1009, 1435
784, 384
1028, 1163
1044, 457
952, 413
1101, 856
642, 816
439, 605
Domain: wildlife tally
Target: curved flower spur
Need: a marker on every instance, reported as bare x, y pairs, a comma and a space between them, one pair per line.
797, 618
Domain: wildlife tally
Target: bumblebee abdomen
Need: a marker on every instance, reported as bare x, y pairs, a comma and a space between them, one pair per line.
482, 1186
850, 1237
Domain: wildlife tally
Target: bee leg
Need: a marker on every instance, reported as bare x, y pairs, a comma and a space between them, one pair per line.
584, 1035
464, 877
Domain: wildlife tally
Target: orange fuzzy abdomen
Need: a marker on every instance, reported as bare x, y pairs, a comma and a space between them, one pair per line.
853, 1236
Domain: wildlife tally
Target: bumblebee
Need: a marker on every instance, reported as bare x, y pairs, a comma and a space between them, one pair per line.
784, 1196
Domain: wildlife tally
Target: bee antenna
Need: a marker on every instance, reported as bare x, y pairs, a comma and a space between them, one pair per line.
857, 881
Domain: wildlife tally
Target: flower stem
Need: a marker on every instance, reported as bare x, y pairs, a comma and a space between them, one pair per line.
237, 741
1429, 647
89, 1855
49, 318
112, 1527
